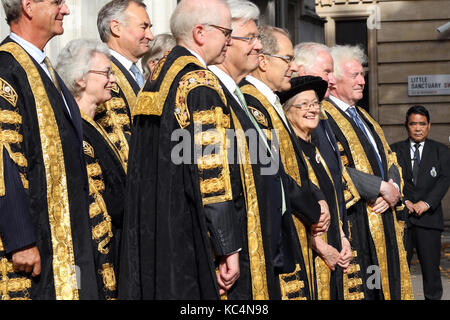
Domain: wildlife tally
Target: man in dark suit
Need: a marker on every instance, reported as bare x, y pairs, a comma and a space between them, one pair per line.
426, 172
124, 26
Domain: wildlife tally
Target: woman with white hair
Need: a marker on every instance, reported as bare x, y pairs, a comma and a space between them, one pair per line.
156, 49
85, 67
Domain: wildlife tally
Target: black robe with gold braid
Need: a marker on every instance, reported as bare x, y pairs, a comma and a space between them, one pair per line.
45, 143
378, 238
268, 120
115, 114
106, 174
331, 285
270, 245
182, 196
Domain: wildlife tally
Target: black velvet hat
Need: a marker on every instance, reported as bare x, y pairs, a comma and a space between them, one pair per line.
304, 83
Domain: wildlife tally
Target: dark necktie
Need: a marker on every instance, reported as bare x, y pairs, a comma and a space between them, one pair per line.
354, 115
416, 163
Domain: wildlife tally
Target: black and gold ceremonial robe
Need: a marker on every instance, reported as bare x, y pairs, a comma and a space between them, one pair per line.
303, 209
182, 206
331, 285
115, 114
378, 238
106, 175
269, 240
45, 144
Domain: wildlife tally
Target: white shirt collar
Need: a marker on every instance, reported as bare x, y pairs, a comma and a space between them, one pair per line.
263, 88
36, 53
124, 61
341, 104
412, 143
226, 80
195, 54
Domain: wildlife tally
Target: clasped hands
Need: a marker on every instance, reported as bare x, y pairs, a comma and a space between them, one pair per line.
389, 196
417, 208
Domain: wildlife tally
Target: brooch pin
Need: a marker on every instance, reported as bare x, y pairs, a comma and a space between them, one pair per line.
433, 172
317, 158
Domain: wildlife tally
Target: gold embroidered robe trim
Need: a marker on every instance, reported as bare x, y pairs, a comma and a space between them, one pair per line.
104, 134
12, 285
217, 135
255, 244
323, 273
406, 285
2, 180
115, 122
8, 93
375, 220
63, 261
152, 103
322, 269
125, 86
289, 160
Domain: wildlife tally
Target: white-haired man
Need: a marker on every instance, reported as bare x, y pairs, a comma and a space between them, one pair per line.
182, 206
376, 237
125, 27
276, 252
45, 241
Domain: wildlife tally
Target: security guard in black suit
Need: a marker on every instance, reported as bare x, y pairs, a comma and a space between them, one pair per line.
426, 171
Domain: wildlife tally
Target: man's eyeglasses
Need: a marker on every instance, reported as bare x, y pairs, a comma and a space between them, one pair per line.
305, 106
107, 73
287, 59
226, 32
251, 39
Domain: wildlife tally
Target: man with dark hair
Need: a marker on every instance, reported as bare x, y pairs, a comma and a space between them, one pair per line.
45, 244
124, 26
426, 172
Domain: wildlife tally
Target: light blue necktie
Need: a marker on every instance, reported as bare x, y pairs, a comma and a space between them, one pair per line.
137, 75
354, 115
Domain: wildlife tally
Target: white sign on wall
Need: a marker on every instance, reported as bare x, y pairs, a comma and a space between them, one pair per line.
429, 85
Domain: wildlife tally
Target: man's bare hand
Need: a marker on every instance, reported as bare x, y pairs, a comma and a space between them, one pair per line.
324, 222
389, 192
420, 207
328, 253
27, 260
346, 255
410, 206
228, 272
380, 205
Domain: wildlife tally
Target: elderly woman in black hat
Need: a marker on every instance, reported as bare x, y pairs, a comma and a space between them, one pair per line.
302, 107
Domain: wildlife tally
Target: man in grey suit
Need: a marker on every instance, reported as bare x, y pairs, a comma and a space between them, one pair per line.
426, 171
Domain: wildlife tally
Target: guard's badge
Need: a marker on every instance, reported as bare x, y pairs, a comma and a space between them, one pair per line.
433, 172
115, 88
8, 92
259, 116
317, 158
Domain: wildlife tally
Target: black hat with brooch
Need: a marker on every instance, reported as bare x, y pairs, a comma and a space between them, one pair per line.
304, 83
